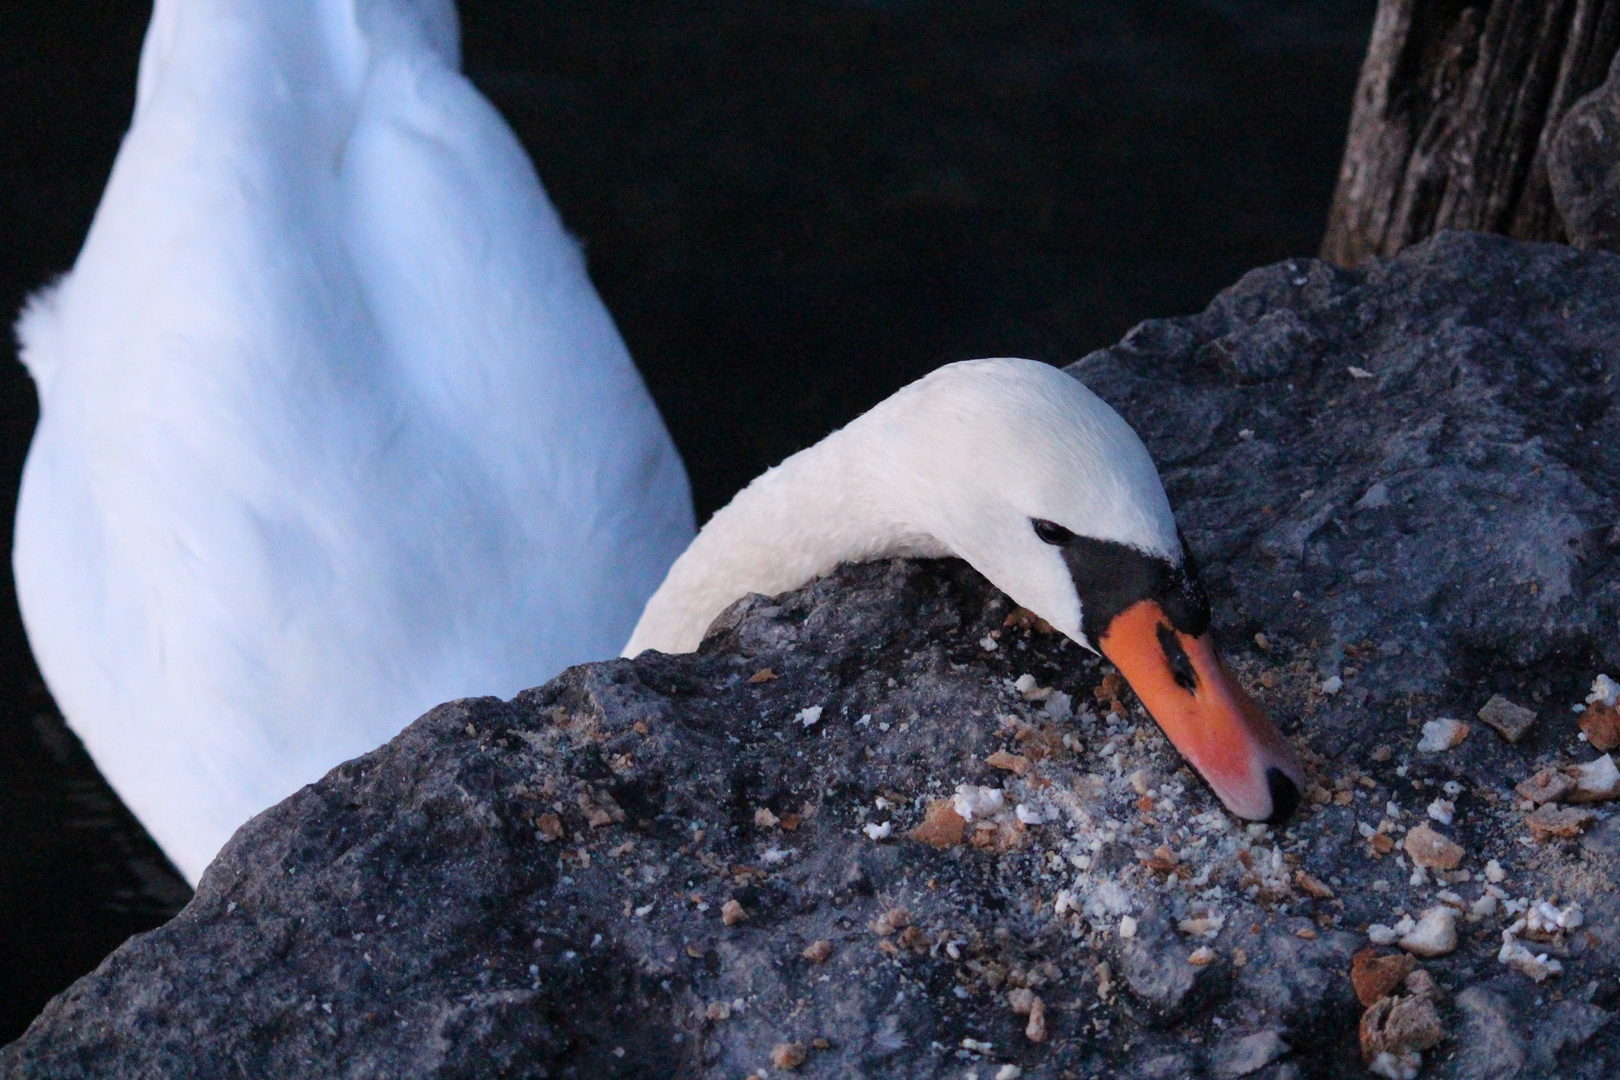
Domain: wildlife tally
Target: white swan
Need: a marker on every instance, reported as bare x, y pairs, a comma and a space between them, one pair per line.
1017, 468
333, 426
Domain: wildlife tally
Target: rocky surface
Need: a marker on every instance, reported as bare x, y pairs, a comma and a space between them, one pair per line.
1402, 483
1583, 167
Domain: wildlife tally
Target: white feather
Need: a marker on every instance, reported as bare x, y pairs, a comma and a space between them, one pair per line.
333, 425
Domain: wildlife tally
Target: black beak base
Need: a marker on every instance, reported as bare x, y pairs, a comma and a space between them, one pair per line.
1284, 796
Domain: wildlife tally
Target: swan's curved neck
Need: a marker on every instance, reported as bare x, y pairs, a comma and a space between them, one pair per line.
832, 503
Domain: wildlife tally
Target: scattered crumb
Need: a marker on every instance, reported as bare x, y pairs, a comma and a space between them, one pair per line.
1552, 822
1595, 781
1014, 763
1202, 956
787, 1056
1547, 786
972, 801
1601, 726
818, 951
942, 827
548, 827
1394, 1033
763, 675
1441, 735
732, 913
764, 819
1511, 721
1035, 1030
890, 921
1435, 933
1376, 975
1431, 850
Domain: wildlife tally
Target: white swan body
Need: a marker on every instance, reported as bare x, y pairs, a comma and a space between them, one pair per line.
1019, 469
333, 425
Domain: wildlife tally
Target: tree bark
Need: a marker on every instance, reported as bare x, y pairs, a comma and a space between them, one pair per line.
1455, 117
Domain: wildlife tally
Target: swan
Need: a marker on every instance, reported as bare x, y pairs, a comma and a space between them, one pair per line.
1019, 469
333, 426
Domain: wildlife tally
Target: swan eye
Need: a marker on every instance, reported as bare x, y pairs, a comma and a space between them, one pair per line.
1051, 532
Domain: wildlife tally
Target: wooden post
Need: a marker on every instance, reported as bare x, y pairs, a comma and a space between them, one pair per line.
1456, 116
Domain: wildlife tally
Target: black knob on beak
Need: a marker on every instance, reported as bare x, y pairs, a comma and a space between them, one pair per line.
1284, 796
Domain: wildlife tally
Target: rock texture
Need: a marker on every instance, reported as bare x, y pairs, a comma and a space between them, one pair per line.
1583, 167
1402, 483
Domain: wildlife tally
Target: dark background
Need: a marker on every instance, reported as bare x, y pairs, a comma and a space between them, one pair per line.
792, 208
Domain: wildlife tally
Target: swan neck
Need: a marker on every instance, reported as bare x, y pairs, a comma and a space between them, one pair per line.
829, 504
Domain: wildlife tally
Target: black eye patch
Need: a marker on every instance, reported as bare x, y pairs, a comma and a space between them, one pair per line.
1112, 577
1181, 668
1051, 532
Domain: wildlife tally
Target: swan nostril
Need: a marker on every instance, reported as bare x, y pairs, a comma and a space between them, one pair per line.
1284, 796
1181, 667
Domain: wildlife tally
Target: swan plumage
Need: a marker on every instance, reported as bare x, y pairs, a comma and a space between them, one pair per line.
1018, 468
333, 426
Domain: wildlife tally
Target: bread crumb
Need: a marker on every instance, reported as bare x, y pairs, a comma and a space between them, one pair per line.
1311, 886
1510, 720
1375, 975
763, 675
1553, 822
788, 1056
1014, 763
942, 827
1435, 933
818, 951
764, 819
1547, 786
1431, 850
732, 913
890, 921
1394, 1033
1595, 781
1035, 1030
1441, 735
1601, 726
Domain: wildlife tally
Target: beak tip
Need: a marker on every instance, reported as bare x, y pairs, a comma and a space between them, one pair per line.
1284, 795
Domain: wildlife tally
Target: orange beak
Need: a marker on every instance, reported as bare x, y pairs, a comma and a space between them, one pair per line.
1205, 713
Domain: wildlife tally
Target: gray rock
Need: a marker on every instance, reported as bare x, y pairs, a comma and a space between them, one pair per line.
1277, 344
1155, 966
1509, 1030
534, 888
1168, 1067
1298, 978
1603, 839
1240, 1056
1583, 166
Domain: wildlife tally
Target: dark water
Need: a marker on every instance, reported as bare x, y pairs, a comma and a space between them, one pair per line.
791, 209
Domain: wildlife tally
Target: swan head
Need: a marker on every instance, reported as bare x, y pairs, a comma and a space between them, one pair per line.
1021, 470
